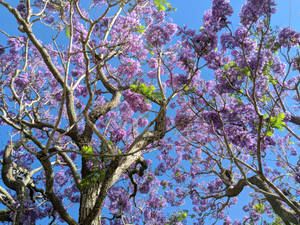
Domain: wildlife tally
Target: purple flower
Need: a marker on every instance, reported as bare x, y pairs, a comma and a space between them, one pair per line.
99, 2
119, 200
205, 42
81, 90
288, 37
253, 9
158, 35
61, 178
129, 67
22, 81
22, 9
227, 41
220, 10
295, 63
278, 66
142, 122
137, 101
254, 216
15, 44
117, 135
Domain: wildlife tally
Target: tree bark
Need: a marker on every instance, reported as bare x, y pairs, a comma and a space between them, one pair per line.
87, 201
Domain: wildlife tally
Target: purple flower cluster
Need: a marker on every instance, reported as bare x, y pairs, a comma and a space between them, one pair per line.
205, 42
60, 178
137, 101
220, 10
118, 200
228, 41
117, 135
216, 17
22, 80
22, 9
288, 37
128, 68
253, 9
158, 35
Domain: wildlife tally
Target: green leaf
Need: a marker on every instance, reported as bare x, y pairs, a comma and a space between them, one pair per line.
259, 208
162, 5
270, 133
87, 150
226, 67
133, 87
68, 32
276, 122
140, 29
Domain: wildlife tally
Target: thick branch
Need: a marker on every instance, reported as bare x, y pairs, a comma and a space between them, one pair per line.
5, 215
295, 120
7, 169
97, 112
287, 215
56, 202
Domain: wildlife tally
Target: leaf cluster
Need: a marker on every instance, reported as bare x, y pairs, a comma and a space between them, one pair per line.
147, 91
163, 5
179, 216
275, 122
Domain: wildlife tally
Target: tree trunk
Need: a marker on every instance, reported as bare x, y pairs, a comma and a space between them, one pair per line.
87, 202
88, 197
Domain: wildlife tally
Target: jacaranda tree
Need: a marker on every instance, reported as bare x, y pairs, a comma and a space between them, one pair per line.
109, 119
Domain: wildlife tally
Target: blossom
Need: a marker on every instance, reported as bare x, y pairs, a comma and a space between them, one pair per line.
215, 18
22, 9
119, 200
142, 122
117, 135
81, 91
253, 9
22, 81
158, 35
99, 2
205, 42
137, 101
129, 67
227, 41
61, 178
15, 44
288, 37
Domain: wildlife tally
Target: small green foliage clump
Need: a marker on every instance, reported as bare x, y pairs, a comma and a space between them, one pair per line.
259, 208
147, 91
179, 216
275, 123
163, 5
87, 150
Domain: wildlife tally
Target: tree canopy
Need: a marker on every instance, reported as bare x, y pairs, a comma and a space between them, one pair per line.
109, 118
